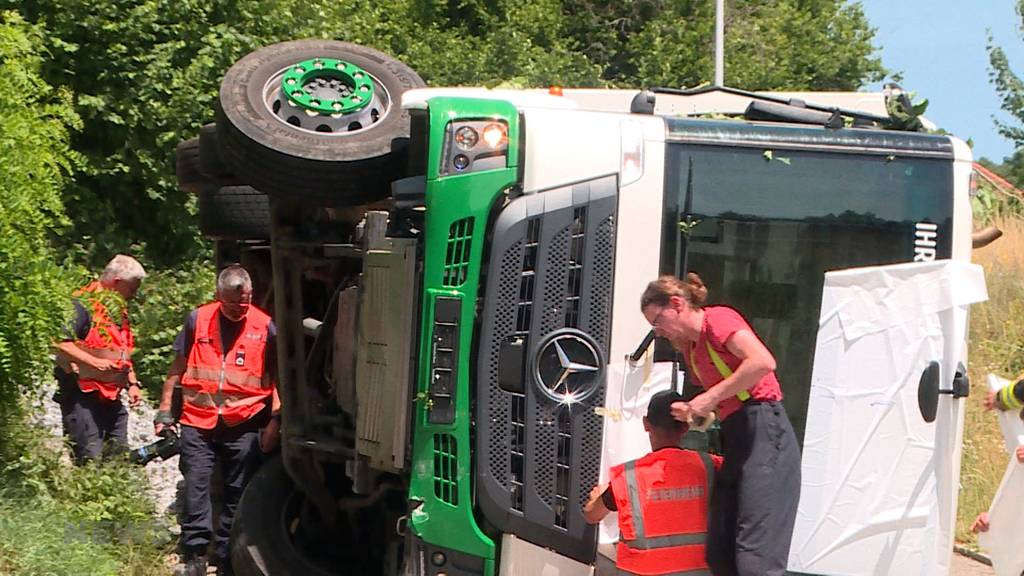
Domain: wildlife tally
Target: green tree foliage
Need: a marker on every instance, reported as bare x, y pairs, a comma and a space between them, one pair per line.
145, 75
36, 160
490, 42
1009, 87
778, 44
169, 295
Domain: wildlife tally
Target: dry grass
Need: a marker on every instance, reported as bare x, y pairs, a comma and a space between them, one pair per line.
996, 345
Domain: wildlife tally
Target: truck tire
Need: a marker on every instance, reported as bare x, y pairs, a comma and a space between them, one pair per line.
261, 544
291, 148
186, 166
211, 164
234, 213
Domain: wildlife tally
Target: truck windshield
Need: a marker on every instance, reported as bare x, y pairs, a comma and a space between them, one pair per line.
770, 223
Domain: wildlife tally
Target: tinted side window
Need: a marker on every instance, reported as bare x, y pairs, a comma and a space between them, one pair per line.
769, 225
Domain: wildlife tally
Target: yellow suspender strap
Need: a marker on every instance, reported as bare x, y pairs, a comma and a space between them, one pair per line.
1007, 398
724, 369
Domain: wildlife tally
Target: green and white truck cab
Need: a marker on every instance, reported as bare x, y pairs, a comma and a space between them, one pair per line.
589, 212
446, 352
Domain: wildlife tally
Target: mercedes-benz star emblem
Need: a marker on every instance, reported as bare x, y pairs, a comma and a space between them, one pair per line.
568, 366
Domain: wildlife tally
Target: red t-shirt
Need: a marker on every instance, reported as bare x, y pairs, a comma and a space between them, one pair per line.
720, 323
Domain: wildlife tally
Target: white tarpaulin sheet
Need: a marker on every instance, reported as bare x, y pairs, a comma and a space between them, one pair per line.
630, 388
1004, 540
878, 494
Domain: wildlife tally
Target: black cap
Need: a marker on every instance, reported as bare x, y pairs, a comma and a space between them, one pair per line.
659, 410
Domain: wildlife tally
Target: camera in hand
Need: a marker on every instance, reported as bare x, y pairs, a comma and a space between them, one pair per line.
163, 448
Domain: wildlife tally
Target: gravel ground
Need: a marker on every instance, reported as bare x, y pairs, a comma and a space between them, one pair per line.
163, 474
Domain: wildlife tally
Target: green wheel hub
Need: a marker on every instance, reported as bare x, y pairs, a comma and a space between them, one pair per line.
328, 86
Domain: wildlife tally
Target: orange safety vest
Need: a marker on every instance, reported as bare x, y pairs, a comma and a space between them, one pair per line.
106, 340
663, 501
230, 384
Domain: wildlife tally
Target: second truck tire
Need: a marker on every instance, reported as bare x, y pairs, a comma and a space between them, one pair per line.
234, 213
261, 544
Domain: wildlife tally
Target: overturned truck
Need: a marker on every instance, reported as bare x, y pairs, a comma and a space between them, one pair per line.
433, 256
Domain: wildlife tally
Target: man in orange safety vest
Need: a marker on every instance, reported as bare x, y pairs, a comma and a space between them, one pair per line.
225, 366
661, 499
94, 362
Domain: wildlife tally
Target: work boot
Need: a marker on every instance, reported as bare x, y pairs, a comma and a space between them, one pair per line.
195, 566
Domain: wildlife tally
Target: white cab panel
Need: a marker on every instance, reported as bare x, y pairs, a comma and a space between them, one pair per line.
565, 147
521, 558
963, 165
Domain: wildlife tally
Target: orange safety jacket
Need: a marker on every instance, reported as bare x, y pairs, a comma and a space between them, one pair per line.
106, 340
663, 501
230, 384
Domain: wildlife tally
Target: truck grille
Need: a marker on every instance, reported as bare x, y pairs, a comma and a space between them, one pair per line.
549, 275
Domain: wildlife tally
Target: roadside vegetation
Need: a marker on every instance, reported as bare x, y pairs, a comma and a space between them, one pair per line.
54, 519
996, 346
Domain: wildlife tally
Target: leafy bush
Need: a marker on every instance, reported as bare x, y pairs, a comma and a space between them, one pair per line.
59, 519
36, 160
167, 296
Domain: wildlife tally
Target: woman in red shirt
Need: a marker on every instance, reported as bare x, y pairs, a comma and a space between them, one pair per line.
753, 506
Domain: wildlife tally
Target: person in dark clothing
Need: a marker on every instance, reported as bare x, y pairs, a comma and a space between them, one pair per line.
224, 365
754, 503
93, 363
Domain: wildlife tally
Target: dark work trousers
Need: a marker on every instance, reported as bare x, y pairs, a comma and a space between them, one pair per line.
93, 424
753, 506
236, 450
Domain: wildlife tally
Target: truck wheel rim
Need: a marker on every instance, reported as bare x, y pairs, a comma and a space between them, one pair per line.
327, 96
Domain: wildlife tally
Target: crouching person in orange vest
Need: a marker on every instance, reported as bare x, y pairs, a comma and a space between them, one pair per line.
662, 500
94, 362
225, 364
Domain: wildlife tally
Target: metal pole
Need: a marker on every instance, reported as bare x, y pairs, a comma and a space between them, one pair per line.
719, 42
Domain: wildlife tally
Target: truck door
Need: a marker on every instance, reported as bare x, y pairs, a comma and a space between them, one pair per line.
878, 494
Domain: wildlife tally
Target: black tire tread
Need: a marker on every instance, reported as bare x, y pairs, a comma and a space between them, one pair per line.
260, 544
234, 213
211, 164
186, 166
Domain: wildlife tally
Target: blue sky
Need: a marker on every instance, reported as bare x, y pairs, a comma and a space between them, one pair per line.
939, 45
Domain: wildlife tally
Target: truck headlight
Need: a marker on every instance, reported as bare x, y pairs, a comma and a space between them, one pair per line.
496, 135
466, 137
475, 146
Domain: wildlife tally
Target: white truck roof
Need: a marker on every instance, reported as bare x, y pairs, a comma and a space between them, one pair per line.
698, 102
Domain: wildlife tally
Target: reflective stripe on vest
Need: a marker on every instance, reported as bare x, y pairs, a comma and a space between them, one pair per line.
641, 541
1008, 399
225, 399
229, 377
723, 369
230, 385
